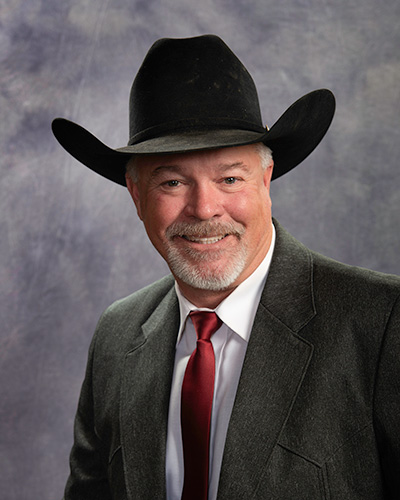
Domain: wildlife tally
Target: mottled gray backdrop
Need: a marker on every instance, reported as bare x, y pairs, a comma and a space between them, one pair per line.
70, 240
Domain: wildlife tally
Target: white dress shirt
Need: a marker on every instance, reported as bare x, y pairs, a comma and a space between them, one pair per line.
230, 341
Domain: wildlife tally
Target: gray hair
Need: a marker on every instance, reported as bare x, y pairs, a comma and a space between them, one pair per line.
131, 168
263, 151
265, 155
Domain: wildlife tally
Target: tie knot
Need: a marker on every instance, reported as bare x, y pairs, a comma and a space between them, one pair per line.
206, 323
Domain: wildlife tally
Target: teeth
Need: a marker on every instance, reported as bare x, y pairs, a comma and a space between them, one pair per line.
204, 241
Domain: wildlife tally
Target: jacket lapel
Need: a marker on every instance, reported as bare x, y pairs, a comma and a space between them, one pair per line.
276, 362
145, 399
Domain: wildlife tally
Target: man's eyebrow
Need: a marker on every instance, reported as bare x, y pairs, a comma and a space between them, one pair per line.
230, 166
223, 167
165, 168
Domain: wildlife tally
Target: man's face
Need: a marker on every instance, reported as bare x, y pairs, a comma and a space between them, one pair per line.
207, 213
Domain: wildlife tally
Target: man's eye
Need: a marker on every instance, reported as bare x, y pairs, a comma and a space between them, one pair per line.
172, 183
230, 180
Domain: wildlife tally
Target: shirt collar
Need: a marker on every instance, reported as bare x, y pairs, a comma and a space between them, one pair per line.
238, 310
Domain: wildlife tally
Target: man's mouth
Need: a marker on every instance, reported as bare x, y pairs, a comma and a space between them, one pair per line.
204, 233
204, 241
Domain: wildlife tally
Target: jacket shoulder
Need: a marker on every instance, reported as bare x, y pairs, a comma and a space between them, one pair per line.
143, 300
302, 283
354, 294
352, 278
126, 315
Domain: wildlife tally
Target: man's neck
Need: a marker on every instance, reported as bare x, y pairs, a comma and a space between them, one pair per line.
205, 298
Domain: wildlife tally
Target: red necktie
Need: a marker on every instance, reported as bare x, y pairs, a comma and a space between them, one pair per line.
196, 406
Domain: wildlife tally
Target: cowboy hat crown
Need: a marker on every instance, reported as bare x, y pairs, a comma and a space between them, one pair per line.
192, 94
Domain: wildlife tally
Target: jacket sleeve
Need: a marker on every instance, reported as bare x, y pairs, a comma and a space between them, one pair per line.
88, 477
387, 405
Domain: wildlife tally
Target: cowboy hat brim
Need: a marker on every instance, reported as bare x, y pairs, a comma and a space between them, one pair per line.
292, 138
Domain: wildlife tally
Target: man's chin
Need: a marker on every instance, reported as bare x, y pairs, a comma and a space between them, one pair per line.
207, 275
206, 283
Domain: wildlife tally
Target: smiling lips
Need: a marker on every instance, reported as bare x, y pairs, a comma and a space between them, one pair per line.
204, 233
204, 241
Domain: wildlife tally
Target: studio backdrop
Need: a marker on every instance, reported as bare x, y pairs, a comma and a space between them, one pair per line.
70, 240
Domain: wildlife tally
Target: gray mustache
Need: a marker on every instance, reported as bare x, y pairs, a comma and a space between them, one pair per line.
204, 229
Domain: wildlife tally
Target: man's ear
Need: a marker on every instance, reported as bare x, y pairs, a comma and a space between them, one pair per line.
267, 175
134, 192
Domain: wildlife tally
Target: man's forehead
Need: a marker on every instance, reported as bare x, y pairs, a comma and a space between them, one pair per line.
224, 157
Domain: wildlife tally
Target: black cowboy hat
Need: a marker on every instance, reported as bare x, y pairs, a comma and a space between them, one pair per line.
192, 94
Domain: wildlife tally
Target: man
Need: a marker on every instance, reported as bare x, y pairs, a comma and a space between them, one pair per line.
292, 387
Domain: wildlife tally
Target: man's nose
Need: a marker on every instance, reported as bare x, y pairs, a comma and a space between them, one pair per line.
204, 202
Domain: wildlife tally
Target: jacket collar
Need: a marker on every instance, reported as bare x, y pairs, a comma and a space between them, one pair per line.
288, 294
145, 396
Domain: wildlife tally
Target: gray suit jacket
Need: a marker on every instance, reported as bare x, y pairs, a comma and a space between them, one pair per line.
317, 411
